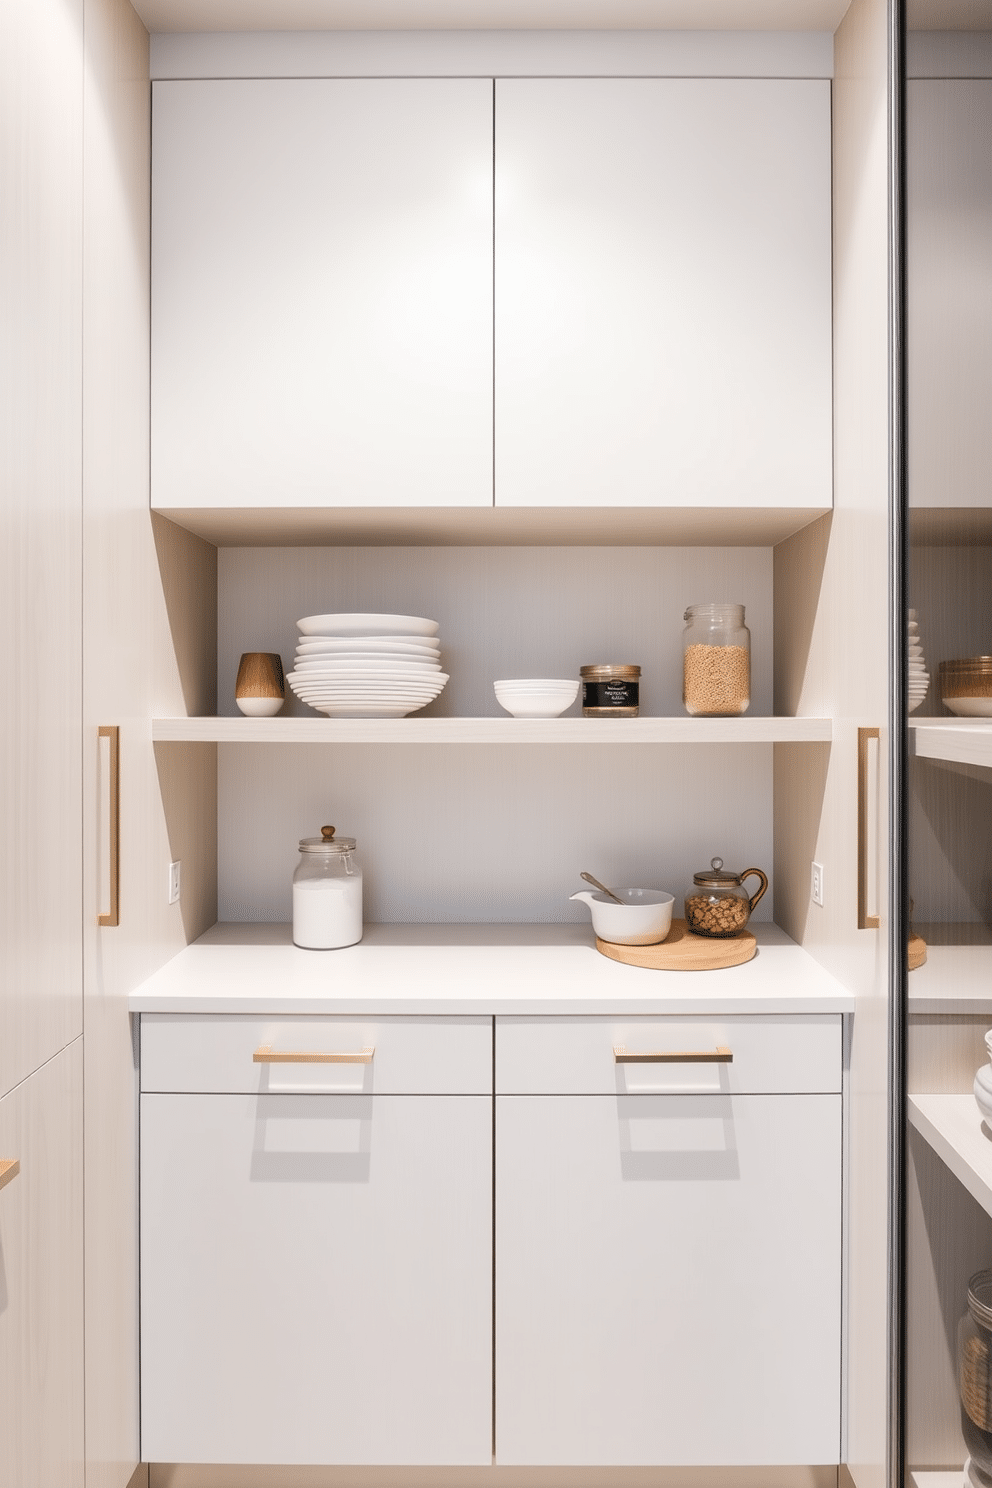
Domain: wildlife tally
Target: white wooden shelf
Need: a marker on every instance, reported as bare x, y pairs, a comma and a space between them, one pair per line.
416, 730
943, 1478
960, 741
952, 1125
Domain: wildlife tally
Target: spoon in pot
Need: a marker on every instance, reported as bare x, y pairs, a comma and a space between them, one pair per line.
601, 887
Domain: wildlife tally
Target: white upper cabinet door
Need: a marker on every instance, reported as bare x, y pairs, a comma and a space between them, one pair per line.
322, 293
663, 293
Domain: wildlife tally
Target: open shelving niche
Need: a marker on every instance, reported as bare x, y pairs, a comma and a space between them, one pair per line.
631, 812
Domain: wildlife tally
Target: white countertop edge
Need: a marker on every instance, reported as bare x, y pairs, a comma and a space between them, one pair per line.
514, 970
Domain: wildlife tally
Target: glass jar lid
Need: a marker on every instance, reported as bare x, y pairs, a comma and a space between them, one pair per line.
724, 610
327, 843
603, 672
712, 876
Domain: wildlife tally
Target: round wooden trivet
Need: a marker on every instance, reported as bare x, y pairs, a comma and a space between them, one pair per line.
917, 951
682, 951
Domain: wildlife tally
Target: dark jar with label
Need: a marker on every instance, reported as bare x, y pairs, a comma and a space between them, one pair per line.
610, 691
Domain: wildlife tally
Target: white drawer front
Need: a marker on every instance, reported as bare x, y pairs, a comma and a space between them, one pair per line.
576, 1056
412, 1056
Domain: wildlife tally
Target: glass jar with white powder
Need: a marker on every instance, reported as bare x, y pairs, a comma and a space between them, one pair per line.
327, 893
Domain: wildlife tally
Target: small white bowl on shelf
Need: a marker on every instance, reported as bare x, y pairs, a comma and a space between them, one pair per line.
536, 697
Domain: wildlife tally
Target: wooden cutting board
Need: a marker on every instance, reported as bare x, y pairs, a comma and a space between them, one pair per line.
682, 951
917, 951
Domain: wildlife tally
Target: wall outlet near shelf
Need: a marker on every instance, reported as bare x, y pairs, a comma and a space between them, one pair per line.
816, 884
174, 882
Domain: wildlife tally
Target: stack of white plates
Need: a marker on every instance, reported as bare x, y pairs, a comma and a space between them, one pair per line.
367, 666
919, 677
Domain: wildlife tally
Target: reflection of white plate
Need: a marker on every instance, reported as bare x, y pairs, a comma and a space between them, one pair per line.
369, 625
970, 707
413, 645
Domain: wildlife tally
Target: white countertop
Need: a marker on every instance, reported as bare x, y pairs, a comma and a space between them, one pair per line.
465, 969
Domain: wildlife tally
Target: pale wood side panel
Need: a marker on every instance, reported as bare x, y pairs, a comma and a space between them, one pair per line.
139, 653
40, 462
835, 663
41, 1278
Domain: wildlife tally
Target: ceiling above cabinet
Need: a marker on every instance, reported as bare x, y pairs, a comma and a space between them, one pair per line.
491, 15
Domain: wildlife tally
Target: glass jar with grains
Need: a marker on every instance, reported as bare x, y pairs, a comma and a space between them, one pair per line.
717, 904
716, 661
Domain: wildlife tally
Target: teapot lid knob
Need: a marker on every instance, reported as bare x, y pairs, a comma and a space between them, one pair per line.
327, 833
715, 863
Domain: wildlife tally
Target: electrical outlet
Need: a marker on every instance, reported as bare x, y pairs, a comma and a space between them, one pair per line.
816, 884
174, 883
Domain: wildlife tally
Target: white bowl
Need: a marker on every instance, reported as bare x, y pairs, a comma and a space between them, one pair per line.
539, 684
644, 918
534, 700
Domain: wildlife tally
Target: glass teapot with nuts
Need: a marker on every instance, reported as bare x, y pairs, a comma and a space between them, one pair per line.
717, 904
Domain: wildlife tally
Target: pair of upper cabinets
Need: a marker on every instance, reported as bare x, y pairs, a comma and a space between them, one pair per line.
450, 292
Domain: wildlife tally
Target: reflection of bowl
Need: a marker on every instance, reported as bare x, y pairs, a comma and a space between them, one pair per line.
644, 918
983, 1091
965, 686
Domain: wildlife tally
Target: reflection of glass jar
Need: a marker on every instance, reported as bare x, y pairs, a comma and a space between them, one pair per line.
327, 893
975, 1371
716, 661
718, 905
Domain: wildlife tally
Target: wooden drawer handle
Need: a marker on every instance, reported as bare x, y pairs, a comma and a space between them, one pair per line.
720, 1055
267, 1055
9, 1169
112, 733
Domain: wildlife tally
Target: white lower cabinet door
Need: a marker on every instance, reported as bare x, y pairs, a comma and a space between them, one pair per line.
316, 1279
668, 1286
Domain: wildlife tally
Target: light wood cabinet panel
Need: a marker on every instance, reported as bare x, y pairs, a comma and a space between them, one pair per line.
322, 293
316, 1279
668, 1284
663, 294
40, 480
41, 1278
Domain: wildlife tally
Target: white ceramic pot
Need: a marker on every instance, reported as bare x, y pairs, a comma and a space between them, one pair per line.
644, 918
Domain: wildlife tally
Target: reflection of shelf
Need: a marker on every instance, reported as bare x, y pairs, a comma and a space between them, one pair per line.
931, 1479
957, 976
414, 730
960, 741
952, 1125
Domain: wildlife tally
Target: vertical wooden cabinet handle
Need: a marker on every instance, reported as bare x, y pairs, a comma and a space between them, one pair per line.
868, 762
111, 733
9, 1169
